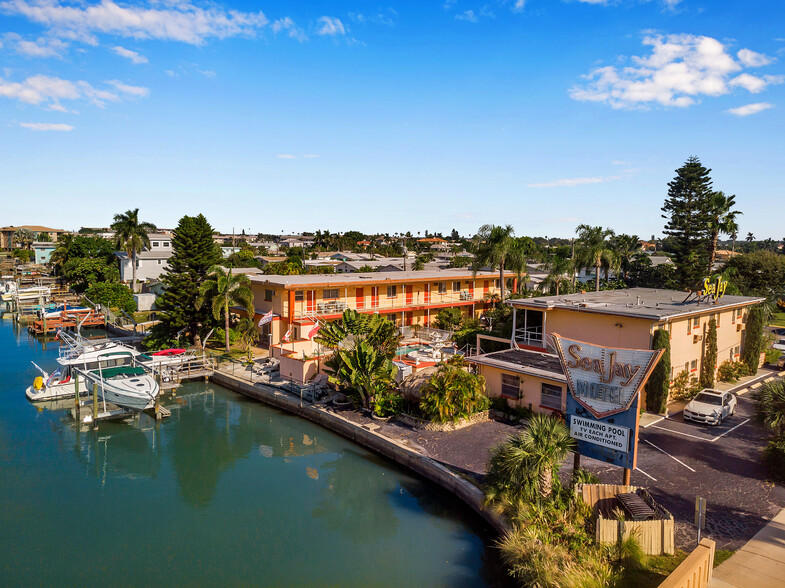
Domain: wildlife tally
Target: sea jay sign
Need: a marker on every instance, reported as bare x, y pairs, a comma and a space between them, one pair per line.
604, 381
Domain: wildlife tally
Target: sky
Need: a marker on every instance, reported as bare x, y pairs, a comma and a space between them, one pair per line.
385, 117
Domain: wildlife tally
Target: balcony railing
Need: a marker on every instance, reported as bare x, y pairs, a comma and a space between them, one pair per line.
531, 336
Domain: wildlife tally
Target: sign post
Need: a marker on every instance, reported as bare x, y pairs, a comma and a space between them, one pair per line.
700, 515
602, 406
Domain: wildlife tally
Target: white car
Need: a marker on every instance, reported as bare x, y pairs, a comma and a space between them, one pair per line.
710, 407
779, 345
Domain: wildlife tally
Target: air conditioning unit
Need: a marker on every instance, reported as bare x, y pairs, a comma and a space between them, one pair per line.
738, 328
696, 338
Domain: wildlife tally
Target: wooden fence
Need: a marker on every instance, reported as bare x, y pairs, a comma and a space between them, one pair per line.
696, 570
655, 537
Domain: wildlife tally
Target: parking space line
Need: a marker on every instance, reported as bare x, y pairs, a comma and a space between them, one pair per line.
647, 475
730, 430
669, 455
680, 433
654, 423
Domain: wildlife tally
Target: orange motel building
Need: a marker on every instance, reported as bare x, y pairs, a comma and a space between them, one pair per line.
406, 298
529, 374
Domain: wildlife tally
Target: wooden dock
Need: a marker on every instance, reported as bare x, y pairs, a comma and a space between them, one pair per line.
109, 411
69, 319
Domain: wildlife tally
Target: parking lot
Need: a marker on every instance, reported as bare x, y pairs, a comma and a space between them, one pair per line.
679, 460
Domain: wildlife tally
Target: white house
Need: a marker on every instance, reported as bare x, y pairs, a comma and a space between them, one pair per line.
150, 263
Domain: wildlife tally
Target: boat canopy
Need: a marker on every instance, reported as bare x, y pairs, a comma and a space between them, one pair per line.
122, 370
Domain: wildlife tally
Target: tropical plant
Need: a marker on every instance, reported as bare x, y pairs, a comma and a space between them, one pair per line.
625, 247
362, 370
131, 236
731, 371
595, 251
557, 278
355, 327
43, 237
658, 386
524, 466
453, 393
770, 406
223, 289
112, 295
518, 259
774, 458
493, 246
685, 386
448, 319
387, 404
722, 219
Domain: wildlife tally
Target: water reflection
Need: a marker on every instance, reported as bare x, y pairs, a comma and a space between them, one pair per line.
356, 499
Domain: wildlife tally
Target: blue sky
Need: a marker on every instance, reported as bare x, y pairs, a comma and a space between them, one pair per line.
293, 116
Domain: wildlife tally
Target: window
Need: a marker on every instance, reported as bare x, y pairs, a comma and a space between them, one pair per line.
165, 243
511, 386
694, 365
496, 283
268, 295
686, 366
736, 350
392, 291
696, 322
299, 295
550, 396
156, 243
159, 262
456, 286
330, 294
442, 287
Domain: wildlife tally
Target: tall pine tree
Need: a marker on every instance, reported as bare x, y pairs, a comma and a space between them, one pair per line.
194, 253
688, 212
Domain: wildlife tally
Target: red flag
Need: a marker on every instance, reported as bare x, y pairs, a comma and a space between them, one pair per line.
287, 335
313, 331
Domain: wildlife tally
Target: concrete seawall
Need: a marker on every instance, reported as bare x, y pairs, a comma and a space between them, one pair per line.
389, 448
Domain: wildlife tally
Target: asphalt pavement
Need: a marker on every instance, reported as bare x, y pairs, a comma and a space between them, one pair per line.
678, 461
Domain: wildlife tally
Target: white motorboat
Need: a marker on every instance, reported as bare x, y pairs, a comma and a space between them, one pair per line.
129, 386
78, 353
26, 294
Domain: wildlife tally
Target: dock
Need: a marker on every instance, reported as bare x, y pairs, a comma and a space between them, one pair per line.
109, 411
66, 321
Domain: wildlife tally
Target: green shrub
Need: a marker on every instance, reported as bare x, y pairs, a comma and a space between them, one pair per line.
772, 355
774, 458
731, 371
23, 255
753, 339
112, 294
685, 386
709, 364
220, 335
453, 393
500, 404
387, 404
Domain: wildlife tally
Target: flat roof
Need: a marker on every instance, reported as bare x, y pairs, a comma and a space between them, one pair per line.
524, 361
356, 279
645, 303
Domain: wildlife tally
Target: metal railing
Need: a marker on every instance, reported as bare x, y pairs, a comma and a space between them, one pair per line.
401, 302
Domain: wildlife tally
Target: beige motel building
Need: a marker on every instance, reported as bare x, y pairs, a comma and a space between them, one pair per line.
529, 374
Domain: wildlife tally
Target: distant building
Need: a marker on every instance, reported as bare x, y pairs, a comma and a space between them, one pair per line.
7, 234
150, 263
43, 251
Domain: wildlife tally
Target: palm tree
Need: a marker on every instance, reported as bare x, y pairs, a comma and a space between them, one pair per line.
526, 463
62, 252
750, 238
594, 250
131, 236
625, 246
23, 237
493, 246
224, 288
770, 406
722, 219
362, 369
558, 268
518, 260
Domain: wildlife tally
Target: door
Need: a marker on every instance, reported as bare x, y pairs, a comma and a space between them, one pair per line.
359, 298
310, 299
471, 290
485, 285
427, 295
375, 297
409, 294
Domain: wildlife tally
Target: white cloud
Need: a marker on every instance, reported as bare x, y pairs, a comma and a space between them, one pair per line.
570, 182
51, 91
286, 156
136, 91
755, 84
292, 30
178, 21
750, 109
467, 15
135, 57
311, 156
678, 71
331, 26
208, 73
47, 126
41, 47
752, 59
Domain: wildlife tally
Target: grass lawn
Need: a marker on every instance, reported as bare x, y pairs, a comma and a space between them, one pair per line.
778, 319
658, 568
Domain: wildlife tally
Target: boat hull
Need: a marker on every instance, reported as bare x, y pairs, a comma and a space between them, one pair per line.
136, 393
56, 391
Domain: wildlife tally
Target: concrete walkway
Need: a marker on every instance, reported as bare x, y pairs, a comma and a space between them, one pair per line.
759, 564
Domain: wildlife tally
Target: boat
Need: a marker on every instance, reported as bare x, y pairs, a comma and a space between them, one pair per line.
77, 352
129, 386
25, 294
58, 310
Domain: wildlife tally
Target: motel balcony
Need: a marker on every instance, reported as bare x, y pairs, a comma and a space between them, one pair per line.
382, 304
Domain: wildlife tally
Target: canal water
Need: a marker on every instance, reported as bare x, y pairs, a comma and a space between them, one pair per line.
224, 492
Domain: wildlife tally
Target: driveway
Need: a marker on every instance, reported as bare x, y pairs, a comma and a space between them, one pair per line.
679, 460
